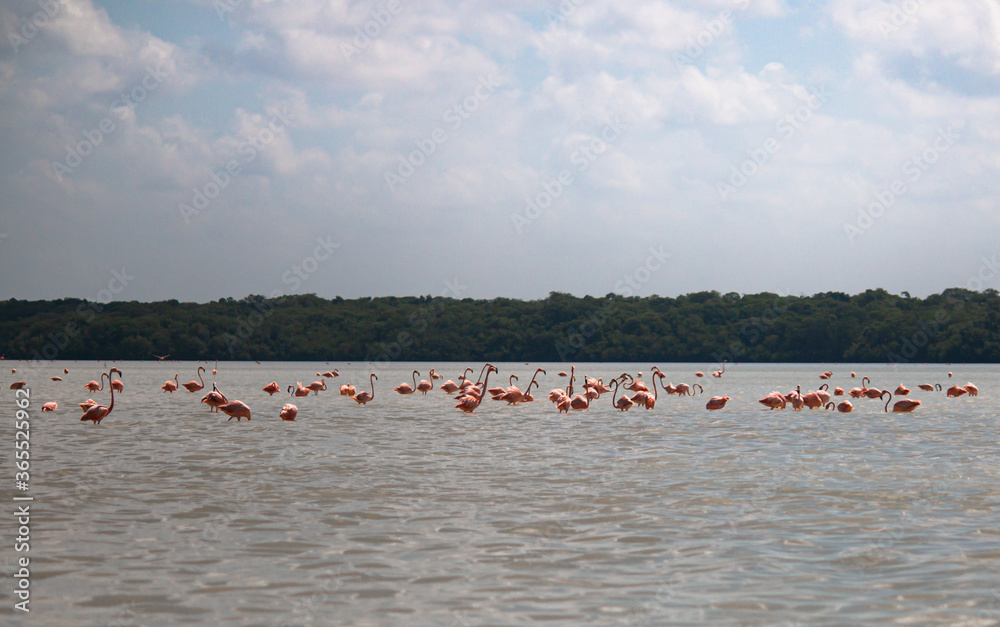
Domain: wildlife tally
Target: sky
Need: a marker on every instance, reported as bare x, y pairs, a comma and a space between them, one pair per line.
202, 149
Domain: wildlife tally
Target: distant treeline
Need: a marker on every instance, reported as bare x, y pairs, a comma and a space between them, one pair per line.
957, 325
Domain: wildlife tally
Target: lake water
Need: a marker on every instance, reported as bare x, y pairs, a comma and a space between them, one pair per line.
409, 512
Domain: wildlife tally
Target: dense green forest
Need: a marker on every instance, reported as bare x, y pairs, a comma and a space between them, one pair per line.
957, 325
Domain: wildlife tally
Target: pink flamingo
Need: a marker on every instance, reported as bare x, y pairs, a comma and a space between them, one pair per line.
87, 404
271, 388
328, 374
299, 390
424, 387
838, 391
472, 401
496, 393
905, 405
214, 399
717, 402
956, 391
927, 387
316, 387
236, 409
527, 397
363, 397
624, 403
55, 378
902, 390
50, 406
406, 388
97, 413
347, 390
195, 386
971, 389
288, 412
118, 385
718, 373
435, 376
774, 400
94, 386
171, 386
845, 407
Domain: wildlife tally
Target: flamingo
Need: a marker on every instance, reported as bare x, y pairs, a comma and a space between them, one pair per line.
87, 404
65, 370
363, 397
683, 389
956, 391
406, 388
528, 398
50, 406
718, 373
845, 407
161, 358
624, 403
699, 374
236, 409
774, 400
192, 386
328, 374
170, 386
902, 390
717, 402
97, 413
288, 412
271, 388
299, 390
838, 391
214, 399
316, 387
471, 401
812, 400
215, 368
347, 390
55, 378
581, 401
972, 389
884, 392
643, 398
826, 375
927, 387
496, 393
94, 386
118, 385
435, 376
905, 405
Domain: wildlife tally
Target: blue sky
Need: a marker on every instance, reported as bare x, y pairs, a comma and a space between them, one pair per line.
482, 149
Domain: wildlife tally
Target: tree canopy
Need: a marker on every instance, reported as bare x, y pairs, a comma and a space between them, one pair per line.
875, 326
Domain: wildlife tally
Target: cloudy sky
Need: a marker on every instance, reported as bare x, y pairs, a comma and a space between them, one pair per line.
209, 148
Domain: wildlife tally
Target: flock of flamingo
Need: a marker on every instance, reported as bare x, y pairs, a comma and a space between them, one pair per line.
634, 392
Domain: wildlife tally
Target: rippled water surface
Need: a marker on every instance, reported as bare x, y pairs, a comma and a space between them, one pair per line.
409, 512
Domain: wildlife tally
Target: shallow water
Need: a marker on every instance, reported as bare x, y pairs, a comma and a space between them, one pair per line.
409, 512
